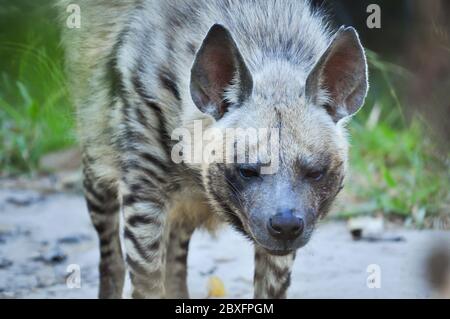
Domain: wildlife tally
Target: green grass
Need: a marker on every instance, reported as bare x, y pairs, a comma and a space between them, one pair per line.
395, 169
35, 114
397, 172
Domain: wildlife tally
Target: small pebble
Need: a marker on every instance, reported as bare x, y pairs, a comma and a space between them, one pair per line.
75, 239
5, 263
53, 256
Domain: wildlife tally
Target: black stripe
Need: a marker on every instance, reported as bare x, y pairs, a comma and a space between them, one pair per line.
154, 160
106, 253
181, 258
142, 118
139, 87
168, 81
93, 207
131, 138
135, 165
148, 183
191, 48
185, 244
131, 199
165, 139
137, 220
102, 192
143, 184
149, 101
110, 208
88, 188
141, 250
107, 236
154, 245
130, 236
100, 228
113, 74
136, 267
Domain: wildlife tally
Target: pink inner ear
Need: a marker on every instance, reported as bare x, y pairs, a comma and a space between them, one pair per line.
342, 73
217, 63
219, 69
339, 71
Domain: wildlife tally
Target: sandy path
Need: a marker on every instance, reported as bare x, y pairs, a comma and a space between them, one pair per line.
41, 235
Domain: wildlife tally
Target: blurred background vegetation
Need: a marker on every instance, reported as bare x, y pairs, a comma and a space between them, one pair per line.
35, 114
400, 140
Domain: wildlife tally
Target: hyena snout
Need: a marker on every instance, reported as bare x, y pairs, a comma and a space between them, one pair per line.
285, 225
282, 231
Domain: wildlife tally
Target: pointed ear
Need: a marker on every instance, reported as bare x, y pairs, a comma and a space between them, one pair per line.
338, 81
219, 67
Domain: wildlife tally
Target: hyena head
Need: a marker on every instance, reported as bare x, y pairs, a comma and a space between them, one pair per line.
277, 203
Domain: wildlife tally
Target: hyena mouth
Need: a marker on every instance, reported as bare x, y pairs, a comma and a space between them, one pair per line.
280, 252
282, 248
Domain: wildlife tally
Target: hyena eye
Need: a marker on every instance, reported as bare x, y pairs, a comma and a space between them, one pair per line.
248, 172
315, 175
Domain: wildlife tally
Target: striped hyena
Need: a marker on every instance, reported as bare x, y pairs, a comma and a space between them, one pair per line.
140, 69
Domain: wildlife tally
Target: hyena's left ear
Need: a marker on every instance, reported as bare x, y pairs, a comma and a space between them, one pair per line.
218, 68
338, 81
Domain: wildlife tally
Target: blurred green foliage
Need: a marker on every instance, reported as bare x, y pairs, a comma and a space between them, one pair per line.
35, 114
394, 166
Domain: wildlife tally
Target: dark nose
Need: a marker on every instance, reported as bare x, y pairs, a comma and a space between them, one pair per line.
285, 225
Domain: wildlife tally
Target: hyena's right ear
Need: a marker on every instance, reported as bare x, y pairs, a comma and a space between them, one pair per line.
218, 68
338, 82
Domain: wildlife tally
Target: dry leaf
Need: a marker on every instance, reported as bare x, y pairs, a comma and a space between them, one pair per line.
216, 288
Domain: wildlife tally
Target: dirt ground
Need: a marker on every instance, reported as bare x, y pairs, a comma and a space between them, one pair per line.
41, 235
